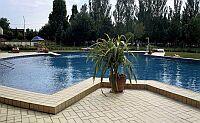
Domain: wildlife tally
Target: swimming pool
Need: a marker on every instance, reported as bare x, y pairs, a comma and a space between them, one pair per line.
48, 74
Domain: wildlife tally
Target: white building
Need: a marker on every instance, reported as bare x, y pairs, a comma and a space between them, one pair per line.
1, 31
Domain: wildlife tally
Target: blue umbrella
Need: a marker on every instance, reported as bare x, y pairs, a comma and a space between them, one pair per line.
37, 38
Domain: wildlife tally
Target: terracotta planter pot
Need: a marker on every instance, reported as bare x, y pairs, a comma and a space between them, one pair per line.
120, 81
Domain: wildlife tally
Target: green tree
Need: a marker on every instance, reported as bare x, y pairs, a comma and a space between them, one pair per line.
119, 18
145, 15
195, 29
174, 30
99, 9
153, 14
152, 18
5, 24
190, 11
124, 15
30, 34
58, 19
100, 13
82, 28
46, 32
17, 34
74, 12
139, 30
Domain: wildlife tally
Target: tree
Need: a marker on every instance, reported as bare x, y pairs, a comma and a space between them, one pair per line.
5, 24
192, 8
58, 19
84, 8
177, 9
30, 34
99, 9
74, 12
174, 30
195, 28
118, 13
17, 34
82, 28
124, 14
100, 13
153, 14
139, 30
190, 11
152, 18
145, 15
46, 32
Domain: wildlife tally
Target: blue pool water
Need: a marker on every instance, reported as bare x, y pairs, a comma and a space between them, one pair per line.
47, 74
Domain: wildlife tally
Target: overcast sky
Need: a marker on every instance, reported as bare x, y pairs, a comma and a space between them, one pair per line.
36, 12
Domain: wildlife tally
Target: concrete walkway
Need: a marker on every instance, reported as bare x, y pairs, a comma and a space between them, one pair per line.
137, 106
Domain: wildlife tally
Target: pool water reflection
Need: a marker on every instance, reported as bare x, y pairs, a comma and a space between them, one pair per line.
46, 74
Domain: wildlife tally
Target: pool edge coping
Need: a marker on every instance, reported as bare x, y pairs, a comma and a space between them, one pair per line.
59, 101
32, 54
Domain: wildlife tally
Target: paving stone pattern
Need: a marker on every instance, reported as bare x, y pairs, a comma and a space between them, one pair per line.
137, 106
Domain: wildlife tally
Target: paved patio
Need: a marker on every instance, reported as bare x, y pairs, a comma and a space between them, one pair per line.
132, 106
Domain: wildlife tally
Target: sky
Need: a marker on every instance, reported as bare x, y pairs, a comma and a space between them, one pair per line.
36, 12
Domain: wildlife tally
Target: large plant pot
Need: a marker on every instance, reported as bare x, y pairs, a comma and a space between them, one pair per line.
118, 85
121, 81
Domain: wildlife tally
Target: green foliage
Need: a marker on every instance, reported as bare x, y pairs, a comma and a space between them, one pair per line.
195, 30
139, 30
46, 32
165, 26
74, 12
100, 13
190, 12
5, 47
4, 23
109, 54
124, 15
18, 35
81, 27
30, 34
58, 19
130, 36
184, 54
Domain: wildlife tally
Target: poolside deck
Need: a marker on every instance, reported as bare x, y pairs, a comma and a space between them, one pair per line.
155, 104
136, 106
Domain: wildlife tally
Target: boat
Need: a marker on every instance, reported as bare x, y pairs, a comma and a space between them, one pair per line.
156, 52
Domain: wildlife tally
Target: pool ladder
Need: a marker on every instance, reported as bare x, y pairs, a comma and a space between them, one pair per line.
7, 64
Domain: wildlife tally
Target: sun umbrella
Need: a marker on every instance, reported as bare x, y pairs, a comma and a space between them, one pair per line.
37, 38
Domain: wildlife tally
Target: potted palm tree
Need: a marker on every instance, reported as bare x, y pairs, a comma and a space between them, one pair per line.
111, 55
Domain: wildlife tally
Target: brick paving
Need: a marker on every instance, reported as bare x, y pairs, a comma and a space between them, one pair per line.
135, 106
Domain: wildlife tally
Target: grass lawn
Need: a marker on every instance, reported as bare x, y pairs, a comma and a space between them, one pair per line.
184, 54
